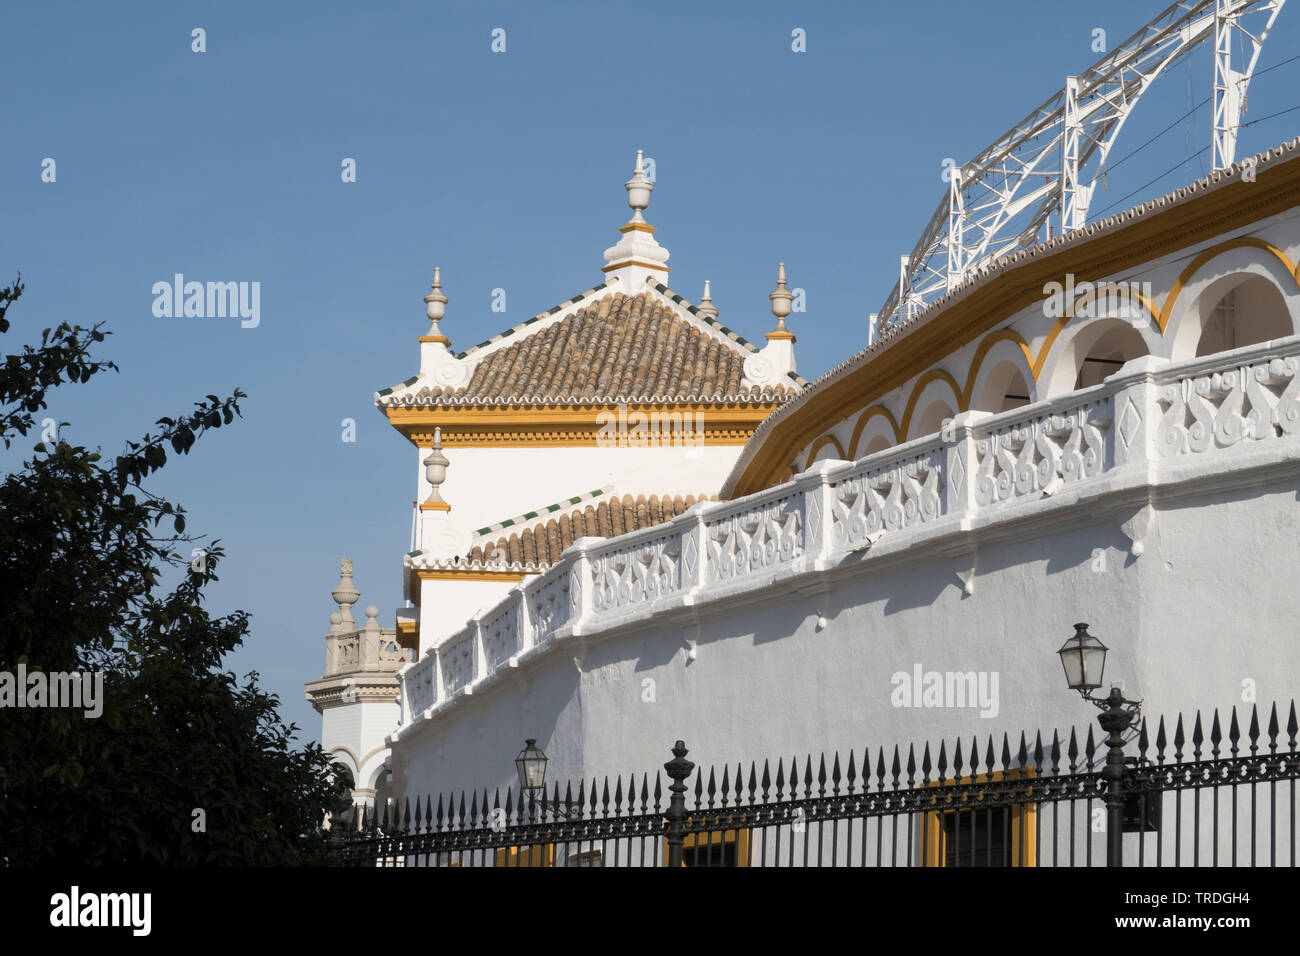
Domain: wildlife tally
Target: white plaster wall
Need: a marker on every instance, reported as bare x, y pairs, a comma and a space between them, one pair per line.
487, 485
359, 727
1210, 604
450, 604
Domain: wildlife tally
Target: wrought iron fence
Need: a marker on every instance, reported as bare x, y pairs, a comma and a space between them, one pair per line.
1188, 797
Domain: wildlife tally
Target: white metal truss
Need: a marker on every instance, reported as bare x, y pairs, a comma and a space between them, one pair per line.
1050, 161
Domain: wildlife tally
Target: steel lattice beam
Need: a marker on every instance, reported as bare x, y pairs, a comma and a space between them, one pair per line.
1049, 162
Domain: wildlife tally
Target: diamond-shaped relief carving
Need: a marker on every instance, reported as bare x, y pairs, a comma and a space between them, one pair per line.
958, 467
1130, 420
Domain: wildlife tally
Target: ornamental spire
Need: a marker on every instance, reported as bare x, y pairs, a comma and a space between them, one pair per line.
637, 257
435, 472
435, 306
638, 189
706, 307
781, 298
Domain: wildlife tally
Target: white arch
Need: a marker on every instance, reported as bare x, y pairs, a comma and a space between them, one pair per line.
877, 432
995, 374
1061, 369
923, 411
1212, 282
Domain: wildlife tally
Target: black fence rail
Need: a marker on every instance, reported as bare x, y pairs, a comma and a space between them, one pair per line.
1185, 798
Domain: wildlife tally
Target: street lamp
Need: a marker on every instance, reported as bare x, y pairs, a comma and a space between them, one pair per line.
531, 765
1084, 660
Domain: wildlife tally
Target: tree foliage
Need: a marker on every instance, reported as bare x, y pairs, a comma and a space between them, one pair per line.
187, 764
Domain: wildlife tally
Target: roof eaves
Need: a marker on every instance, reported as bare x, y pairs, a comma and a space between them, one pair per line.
990, 271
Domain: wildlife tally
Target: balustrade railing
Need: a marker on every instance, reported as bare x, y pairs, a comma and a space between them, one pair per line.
1149, 412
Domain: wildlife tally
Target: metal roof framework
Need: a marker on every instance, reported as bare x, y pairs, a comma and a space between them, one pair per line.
1000, 201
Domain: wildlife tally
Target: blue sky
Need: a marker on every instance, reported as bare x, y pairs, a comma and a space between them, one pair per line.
507, 170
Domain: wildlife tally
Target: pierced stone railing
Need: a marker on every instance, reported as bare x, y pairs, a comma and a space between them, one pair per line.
1214, 408
1043, 452
1113, 437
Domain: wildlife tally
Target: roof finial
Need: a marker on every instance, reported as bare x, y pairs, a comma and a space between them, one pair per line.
346, 594
781, 298
637, 257
706, 307
435, 306
638, 189
435, 472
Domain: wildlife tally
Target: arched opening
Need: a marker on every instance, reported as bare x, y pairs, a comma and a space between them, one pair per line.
826, 448
1004, 389
1105, 346
878, 443
383, 793
342, 809
932, 419
1251, 312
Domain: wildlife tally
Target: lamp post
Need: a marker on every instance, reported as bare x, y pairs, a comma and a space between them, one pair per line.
531, 767
1084, 660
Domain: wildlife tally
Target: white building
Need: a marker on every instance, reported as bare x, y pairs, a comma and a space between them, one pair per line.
949, 500
612, 412
952, 500
1101, 426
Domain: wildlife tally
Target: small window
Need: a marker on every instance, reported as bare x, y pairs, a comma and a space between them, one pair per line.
717, 848
538, 855
980, 836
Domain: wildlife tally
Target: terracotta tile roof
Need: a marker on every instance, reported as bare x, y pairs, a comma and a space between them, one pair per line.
541, 544
618, 348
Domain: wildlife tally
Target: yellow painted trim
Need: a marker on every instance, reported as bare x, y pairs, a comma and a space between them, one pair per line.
434, 506
542, 854
861, 426
1022, 823
781, 337
471, 574
1162, 316
636, 227
436, 338
551, 426
719, 840
965, 396
1056, 329
933, 375
408, 628
1149, 237
822, 442
982, 351
634, 262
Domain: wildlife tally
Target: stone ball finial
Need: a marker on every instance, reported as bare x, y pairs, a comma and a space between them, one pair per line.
372, 611
336, 618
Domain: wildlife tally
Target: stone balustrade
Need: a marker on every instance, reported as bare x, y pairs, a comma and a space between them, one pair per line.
1113, 438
